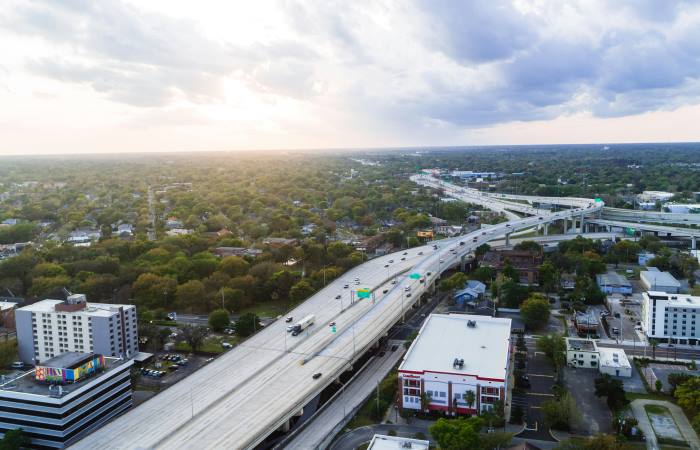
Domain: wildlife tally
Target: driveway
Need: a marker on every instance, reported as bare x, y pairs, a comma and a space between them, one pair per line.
686, 430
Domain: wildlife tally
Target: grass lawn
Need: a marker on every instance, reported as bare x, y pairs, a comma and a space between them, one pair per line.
269, 308
211, 344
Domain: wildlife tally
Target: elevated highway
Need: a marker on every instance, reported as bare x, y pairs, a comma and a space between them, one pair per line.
241, 397
657, 217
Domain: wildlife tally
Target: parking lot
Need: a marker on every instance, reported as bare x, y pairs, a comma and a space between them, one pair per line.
595, 414
170, 375
625, 313
540, 372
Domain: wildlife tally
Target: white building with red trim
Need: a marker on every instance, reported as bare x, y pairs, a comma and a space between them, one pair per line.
454, 354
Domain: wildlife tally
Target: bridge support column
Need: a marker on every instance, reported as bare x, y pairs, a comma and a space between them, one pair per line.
546, 229
583, 224
463, 263
565, 223
507, 238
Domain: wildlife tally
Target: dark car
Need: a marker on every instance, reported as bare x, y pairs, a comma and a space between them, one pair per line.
316, 376
385, 291
289, 319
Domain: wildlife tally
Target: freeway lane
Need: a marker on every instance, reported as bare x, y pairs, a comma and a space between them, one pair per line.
241, 397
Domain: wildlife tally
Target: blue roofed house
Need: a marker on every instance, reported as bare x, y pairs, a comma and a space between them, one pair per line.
473, 290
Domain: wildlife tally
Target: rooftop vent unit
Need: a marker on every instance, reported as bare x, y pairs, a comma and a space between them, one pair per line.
471, 323
406, 445
458, 363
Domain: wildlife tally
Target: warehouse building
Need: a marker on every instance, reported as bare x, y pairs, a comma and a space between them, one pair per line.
613, 283
457, 364
65, 398
672, 317
655, 280
50, 327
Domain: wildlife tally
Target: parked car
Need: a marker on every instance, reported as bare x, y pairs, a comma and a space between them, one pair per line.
338, 297
18, 365
226, 345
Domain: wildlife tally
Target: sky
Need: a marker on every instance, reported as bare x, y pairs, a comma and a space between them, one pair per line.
176, 75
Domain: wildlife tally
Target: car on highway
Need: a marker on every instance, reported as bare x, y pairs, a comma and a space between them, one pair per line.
386, 265
442, 261
473, 240
338, 297
407, 289
393, 281
403, 259
316, 376
346, 286
420, 253
332, 324
408, 295
289, 319
508, 225
290, 328
391, 261
405, 253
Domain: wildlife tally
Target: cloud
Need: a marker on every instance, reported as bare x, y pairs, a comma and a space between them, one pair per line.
408, 67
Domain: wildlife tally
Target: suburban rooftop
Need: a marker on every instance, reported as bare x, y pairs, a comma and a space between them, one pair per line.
382, 442
483, 342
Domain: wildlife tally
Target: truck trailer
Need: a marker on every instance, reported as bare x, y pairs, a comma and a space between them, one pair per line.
303, 324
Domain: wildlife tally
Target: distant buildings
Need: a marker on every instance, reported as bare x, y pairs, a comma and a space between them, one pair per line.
456, 358
679, 208
672, 317
237, 251
644, 257
655, 196
7, 314
586, 322
613, 283
280, 242
173, 223
83, 237
66, 397
51, 327
525, 262
655, 280
174, 232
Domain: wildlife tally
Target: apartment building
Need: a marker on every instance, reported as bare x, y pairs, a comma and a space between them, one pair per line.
51, 327
457, 364
671, 317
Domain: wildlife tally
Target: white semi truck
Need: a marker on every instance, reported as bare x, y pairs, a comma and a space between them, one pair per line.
303, 324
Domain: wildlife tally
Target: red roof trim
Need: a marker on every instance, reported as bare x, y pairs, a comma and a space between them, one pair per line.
422, 372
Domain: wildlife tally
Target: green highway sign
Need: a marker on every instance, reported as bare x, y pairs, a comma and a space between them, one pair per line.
630, 231
598, 200
414, 276
333, 329
364, 293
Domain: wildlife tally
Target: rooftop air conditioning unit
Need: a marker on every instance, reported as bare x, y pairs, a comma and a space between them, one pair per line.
471, 323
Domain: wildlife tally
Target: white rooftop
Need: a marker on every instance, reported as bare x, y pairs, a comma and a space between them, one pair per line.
382, 442
676, 300
93, 309
7, 305
658, 278
613, 357
444, 337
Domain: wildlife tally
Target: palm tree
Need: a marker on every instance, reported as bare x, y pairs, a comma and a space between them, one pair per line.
425, 401
654, 343
469, 398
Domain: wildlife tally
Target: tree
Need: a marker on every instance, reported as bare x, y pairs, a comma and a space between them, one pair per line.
677, 378
457, 434
528, 246
153, 291
247, 324
483, 274
190, 295
498, 439
481, 250
218, 319
300, 291
455, 281
510, 272
688, 396
14, 439
8, 352
469, 398
554, 346
659, 385
194, 336
561, 413
234, 266
548, 277
535, 311
612, 389
511, 294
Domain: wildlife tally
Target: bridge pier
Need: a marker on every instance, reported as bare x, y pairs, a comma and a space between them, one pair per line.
507, 239
565, 224
583, 224
546, 229
463, 263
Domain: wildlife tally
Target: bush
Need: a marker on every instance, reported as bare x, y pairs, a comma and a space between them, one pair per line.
391, 433
218, 319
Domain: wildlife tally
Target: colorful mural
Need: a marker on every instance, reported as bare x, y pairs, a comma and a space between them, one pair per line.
57, 375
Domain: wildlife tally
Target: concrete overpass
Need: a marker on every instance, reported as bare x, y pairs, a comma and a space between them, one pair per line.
241, 397
650, 216
659, 230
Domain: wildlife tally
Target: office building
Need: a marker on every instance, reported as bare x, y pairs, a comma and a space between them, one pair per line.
656, 280
65, 398
50, 327
455, 359
671, 317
